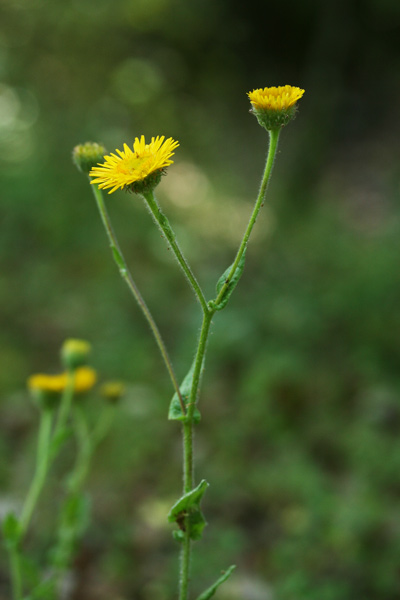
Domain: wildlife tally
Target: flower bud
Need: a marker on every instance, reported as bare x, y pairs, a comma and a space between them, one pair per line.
75, 353
88, 155
112, 391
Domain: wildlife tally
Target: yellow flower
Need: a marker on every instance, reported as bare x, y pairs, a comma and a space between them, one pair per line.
85, 378
275, 98
138, 169
46, 383
274, 107
112, 390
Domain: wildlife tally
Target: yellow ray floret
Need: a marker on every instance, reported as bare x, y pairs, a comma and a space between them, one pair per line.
85, 379
119, 172
275, 98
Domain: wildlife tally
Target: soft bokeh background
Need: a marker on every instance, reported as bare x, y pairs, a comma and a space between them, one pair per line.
301, 409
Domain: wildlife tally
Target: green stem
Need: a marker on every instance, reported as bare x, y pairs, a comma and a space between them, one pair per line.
103, 424
15, 568
65, 404
84, 453
273, 145
188, 477
42, 461
125, 274
188, 466
167, 230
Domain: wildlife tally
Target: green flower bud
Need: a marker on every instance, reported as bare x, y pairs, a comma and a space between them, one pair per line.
86, 156
75, 353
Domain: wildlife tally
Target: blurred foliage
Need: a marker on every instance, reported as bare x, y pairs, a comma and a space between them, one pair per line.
301, 412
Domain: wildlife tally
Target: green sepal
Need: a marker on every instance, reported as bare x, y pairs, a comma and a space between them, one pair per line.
211, 590
232, 283
11, 530
175, 409
186, 513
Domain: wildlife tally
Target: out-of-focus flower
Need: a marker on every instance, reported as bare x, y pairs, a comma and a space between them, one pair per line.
75, 353
112, 390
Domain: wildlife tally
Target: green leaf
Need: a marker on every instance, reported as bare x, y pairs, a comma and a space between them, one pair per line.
175, 409
232, 284
11, 530
211, 590
187, 514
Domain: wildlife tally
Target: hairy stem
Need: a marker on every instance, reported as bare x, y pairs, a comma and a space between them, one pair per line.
125, 274
273, 145
167, 230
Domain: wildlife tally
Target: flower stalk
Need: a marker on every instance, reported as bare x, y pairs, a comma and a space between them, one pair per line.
167, 230
126, 275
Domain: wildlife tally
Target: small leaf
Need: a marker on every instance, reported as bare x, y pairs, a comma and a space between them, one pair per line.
175, 409
186, 513
11, 530
232, 283
211, 590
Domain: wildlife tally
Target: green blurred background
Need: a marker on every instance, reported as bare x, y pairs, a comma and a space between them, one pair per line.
301, 410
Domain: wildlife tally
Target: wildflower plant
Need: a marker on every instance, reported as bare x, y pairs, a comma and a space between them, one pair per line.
62, 416
139, 170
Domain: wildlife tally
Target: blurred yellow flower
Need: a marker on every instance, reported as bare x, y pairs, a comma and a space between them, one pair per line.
46, 383
112, 390
275, 98
121, 172
85, 378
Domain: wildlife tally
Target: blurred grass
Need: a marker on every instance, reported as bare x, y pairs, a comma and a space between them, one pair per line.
300, 405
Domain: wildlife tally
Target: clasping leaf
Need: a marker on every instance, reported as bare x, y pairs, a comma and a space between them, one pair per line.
232, 283
175, 409
187, 514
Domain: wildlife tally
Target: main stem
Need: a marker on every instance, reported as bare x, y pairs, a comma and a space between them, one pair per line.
123, 269
166, 228
208, 313
273, 145
188, 466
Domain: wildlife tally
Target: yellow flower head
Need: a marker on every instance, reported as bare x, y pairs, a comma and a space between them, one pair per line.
112, 390
46, 383
139, 169
50, 387
274, 107
85, 379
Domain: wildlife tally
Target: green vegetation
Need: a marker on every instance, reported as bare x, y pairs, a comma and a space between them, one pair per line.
301, 410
